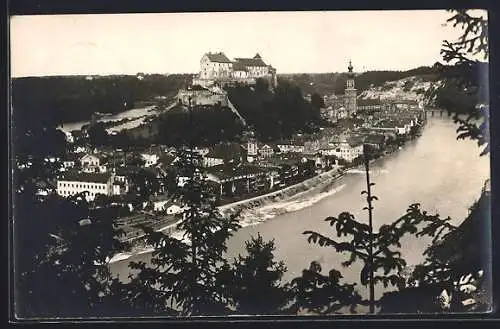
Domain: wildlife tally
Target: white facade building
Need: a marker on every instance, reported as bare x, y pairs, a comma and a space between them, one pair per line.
91, 183
150, 159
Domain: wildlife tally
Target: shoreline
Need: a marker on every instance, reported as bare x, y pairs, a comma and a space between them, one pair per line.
319, 184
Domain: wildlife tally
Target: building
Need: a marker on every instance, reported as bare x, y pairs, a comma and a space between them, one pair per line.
199, 95
344, 106
92, 163
218, 69
150, 159
266, 151
293, 146
366, 105
348, 149
350, 97
223, 153
91, 183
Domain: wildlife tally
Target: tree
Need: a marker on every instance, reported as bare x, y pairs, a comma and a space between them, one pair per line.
98, 136
183, 278
322, 294
62, 271
378, 251
255, 281
317, 101
463, 90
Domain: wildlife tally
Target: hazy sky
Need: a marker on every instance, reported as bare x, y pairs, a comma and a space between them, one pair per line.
174, 43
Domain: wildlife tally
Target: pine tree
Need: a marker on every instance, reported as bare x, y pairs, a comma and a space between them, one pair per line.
254, 282
463, 88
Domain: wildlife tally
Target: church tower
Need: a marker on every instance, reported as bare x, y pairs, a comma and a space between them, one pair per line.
350, 92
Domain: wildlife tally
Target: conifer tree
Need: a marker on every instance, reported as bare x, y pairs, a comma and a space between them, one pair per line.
254, 282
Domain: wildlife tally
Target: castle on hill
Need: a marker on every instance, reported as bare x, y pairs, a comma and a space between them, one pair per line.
218, 69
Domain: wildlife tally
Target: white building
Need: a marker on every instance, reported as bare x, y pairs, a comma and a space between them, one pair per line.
349, 150
150, 159
291, 147
91, 183
93, 164
266, 151
217, 67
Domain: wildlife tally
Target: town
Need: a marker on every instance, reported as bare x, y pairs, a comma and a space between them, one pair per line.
141, 182
237, 163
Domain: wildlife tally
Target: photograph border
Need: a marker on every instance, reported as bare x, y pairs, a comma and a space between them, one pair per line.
95, 6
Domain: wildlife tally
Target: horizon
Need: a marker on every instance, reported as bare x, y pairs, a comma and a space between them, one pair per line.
127, 44
189, 73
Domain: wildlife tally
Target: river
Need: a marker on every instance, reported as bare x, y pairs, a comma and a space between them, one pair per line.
442, 174
134, 113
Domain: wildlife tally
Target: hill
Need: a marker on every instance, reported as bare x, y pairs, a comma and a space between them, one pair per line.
275, 115
334, 83
76, 98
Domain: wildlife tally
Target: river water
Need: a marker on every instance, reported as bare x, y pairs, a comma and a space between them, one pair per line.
442, 174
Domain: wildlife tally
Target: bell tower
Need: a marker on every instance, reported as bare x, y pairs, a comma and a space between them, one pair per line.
350, 92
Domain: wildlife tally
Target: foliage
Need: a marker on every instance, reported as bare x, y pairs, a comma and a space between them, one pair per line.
61, 253
322, 294
379, 251
275, 115
97, 135
463, 90
75, 98
317, 101
254, 281
202, 125
184, 274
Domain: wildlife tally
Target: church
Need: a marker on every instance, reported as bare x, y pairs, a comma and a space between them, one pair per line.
344, 106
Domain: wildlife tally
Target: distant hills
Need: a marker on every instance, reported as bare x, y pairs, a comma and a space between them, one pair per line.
76, 98
334, 83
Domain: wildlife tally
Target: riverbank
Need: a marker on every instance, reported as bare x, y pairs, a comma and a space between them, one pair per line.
259, 209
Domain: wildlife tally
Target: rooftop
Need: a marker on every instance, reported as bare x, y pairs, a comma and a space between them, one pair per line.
86, 177
218, 57
256, 61
224, 171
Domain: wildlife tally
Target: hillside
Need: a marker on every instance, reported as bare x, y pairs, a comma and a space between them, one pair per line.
275, 115
412, 88
334, 83
76, 98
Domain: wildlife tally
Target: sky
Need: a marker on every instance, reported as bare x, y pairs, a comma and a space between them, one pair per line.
292, 42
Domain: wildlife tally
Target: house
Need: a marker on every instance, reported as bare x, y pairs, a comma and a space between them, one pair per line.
294, 146
223, 153
349, 149
266, 151
93, 163
92, 183
69, 162
150, 159
369, 105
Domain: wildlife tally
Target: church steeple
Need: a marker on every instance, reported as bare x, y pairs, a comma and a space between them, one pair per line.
350, 91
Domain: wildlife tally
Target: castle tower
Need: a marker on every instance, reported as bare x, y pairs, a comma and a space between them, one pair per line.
350, 92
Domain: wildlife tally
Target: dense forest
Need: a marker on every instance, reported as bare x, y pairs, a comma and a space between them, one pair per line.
76, 98
275, 115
